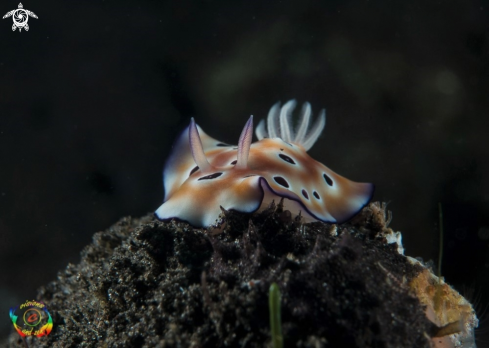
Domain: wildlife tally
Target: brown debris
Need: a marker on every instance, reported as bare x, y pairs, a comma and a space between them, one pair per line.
145, 283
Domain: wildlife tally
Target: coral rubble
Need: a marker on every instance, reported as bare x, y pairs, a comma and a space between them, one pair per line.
145, 283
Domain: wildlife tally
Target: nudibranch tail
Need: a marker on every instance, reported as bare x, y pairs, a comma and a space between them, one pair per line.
279, 125
196, 147
244, 144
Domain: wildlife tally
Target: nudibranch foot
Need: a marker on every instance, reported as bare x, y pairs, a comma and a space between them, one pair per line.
203, 174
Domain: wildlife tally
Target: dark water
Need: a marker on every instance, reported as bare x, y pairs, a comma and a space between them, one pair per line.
93, 95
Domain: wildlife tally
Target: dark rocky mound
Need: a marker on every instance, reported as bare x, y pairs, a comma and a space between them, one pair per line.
144, 283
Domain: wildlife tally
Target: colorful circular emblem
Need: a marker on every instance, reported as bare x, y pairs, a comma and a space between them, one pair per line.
31, 319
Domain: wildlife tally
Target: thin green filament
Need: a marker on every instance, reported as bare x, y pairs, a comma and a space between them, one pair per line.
275, 316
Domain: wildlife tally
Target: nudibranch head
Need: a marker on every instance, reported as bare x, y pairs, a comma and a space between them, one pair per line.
203, 174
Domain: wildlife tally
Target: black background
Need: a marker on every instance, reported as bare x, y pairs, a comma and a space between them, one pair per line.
94, 94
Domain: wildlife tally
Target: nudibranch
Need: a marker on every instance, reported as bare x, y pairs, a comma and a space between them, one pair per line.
202, 174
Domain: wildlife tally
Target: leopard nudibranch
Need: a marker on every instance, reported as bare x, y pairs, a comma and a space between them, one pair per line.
203, 173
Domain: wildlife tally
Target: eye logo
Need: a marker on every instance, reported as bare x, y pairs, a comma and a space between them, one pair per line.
31, 319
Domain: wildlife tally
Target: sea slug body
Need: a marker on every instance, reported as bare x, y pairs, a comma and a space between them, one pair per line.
202, 174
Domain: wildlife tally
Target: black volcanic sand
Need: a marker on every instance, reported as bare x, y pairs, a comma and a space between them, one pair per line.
144, 283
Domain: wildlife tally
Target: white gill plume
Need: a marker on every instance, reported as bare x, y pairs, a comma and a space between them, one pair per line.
278, 125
